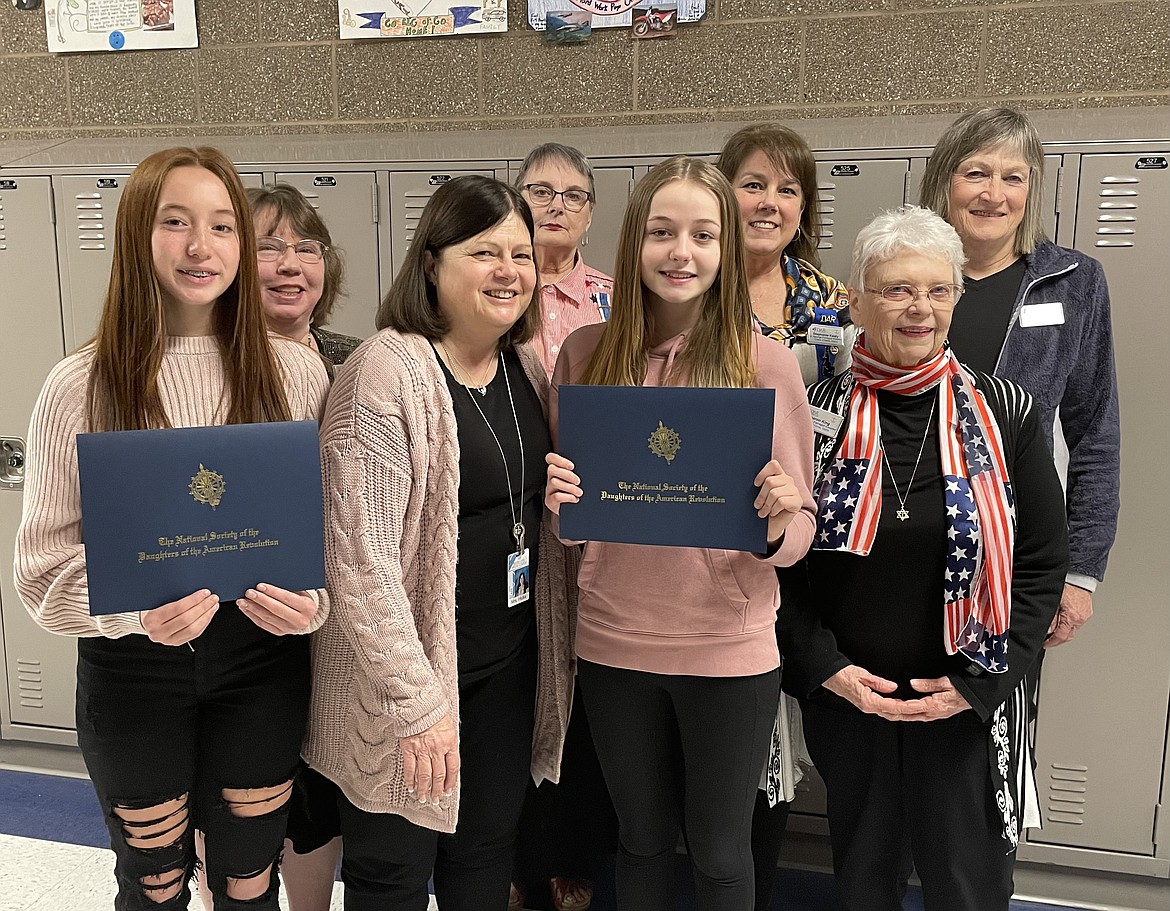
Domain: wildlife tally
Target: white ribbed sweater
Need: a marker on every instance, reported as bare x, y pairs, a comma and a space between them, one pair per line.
50, 558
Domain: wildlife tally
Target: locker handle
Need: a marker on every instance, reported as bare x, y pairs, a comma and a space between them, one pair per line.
11, 462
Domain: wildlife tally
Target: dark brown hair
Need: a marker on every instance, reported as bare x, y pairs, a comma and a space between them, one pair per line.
789, 153
459, 209
280, 203
131, 337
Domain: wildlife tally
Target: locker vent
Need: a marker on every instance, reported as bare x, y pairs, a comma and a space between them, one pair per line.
826, 196
3, 233
414, 201
1067, 788
91, 221
1117, 211
29, 683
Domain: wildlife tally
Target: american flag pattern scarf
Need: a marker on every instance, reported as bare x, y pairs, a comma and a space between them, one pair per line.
979, 503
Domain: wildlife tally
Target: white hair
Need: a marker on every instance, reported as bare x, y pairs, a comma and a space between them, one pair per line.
907, 228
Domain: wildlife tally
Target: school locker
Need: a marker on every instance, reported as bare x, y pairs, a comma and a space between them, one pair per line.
39, 665
348, 203
851, 192
1101, 728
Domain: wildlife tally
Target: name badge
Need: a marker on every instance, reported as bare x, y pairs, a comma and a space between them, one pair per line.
825, 335
826, 423
1032, 315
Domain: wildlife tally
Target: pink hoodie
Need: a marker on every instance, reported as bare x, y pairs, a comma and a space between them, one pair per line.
686, 610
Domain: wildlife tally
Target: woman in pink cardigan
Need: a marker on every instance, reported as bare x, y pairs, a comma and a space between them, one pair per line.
439, 684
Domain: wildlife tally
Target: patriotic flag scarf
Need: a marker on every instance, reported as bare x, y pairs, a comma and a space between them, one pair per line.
979, 503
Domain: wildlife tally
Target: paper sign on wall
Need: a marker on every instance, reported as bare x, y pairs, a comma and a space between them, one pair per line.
609, 13
420, 18
120, 25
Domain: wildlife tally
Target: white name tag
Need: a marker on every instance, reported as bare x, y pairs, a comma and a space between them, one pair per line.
825, 422
1032, 315
825, 335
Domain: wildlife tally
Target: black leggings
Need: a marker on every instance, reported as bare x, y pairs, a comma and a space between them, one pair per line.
681, 751
162, 725
387, 859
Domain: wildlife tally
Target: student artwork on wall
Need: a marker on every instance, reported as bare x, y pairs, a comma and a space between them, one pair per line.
610, 13
421, 18
120, 25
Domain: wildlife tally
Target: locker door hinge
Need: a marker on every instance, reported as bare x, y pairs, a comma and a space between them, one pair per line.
1059, 187
906, 187
52, 203
1158, 839
374, 201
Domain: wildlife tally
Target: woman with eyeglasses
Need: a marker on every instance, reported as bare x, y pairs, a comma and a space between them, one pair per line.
568, 829
301, 270
557, 182
935, 569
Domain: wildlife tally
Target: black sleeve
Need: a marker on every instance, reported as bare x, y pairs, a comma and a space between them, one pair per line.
1038, 568
809, 650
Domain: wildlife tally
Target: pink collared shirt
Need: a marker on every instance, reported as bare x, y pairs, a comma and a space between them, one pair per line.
580, 298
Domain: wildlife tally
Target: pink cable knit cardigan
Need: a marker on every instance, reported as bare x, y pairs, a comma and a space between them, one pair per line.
384, 662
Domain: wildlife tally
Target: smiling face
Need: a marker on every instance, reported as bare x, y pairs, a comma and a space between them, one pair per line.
770, 203
556, 226
194, 247
484, 284
680, 252
289, 287
904, 335
989, 192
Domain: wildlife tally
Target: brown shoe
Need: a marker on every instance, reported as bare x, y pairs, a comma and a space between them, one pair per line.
515, 898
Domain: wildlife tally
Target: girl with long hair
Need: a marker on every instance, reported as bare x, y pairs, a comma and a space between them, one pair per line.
188, 715
682, 690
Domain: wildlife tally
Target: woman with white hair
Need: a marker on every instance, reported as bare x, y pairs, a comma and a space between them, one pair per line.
936, 567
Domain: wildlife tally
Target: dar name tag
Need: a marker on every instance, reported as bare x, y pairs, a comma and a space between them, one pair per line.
1033, 315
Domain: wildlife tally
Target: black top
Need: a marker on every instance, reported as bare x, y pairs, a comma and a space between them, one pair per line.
899, 584
980, 322
488, 633
886, 609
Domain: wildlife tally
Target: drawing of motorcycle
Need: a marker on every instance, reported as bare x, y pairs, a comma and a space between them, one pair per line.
654, 21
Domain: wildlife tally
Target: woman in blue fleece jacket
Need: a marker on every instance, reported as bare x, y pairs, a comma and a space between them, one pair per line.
1037, 314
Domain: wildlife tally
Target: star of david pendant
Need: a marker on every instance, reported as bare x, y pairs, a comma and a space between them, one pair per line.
903, 514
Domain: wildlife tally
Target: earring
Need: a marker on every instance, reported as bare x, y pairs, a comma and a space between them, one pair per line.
584, 239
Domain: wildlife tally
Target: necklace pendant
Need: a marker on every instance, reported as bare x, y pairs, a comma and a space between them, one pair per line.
482, 390
903, 514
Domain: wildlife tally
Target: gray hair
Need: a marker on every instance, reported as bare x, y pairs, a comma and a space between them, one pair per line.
988, 128
555, 151
907, 228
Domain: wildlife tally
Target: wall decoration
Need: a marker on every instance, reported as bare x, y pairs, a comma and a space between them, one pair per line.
420, 18
120, 25
659, 20
567, 26
611, 13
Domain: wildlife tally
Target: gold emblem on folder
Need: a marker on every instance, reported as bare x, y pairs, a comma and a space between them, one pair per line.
207, 487
665, 443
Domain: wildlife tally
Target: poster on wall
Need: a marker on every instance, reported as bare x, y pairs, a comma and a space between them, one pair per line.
120, 25
421, 18
610, 13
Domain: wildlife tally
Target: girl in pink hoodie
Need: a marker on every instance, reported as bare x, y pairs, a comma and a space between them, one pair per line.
678, 657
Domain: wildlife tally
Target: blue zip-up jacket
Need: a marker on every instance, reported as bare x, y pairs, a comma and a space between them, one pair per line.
1069, 371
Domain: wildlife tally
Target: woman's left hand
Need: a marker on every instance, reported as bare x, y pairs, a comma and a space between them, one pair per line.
278, 610
778, 501
943, 702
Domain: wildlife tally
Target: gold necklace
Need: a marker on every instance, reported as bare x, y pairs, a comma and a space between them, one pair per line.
461, 372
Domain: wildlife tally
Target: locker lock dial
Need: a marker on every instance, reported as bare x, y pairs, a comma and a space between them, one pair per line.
11, 462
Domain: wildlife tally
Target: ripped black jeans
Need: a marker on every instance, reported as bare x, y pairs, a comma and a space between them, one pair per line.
176, 740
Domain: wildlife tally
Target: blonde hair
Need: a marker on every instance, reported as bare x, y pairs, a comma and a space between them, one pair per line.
718, 351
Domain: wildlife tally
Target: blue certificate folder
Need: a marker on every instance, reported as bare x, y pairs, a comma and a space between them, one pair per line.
168, 512
666, 465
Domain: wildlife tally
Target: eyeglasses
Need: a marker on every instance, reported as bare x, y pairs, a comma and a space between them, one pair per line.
901, 294
270, 249
543, 195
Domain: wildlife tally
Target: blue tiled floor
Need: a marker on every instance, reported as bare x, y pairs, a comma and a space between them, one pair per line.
65, 810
